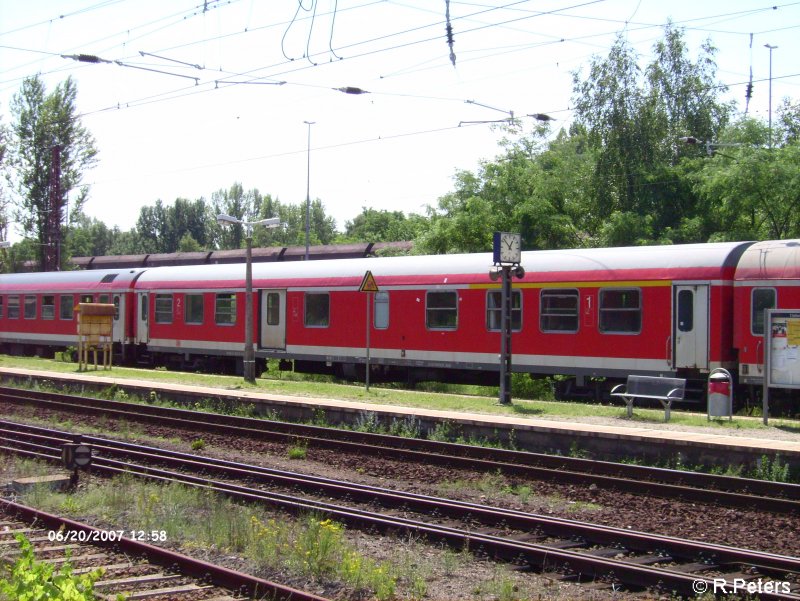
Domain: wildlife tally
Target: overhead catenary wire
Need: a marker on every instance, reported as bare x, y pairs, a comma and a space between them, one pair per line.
91, 58
506, 7
241, 81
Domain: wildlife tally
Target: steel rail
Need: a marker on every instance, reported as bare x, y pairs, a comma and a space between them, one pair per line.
582, 566
393, 498
255, 588
769, 496
532, 553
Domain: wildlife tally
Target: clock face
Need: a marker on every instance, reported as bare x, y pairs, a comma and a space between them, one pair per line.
510, 251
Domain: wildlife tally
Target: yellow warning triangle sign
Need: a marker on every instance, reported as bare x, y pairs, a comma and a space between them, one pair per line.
368, 283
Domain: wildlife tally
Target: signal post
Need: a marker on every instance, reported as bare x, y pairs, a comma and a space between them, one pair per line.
507, 249
369, 286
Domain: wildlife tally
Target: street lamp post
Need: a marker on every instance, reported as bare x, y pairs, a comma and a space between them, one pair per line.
710, 146
249, 360
308, 186
771, 48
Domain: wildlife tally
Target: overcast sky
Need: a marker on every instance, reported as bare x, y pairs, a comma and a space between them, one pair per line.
262, 68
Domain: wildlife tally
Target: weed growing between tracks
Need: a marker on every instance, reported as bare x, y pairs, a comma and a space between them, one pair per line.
28, 578
368, 421
309, 547
496, 486
309, 552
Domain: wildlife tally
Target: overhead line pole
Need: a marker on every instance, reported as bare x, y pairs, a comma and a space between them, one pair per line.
771, 48
308, 188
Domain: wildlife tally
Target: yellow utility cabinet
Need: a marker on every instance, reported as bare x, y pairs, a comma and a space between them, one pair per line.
95, 326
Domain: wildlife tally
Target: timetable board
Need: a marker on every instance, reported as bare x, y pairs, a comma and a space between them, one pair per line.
783, 348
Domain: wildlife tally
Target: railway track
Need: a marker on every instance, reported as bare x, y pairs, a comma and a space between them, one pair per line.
133, 568
575, 550
655, 482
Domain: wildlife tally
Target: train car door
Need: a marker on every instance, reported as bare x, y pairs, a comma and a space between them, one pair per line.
273, 319
142, 318
690, 326
118, 332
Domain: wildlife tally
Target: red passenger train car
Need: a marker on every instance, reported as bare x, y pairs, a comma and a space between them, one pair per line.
585, 314
767, 277
37, 309
596, 312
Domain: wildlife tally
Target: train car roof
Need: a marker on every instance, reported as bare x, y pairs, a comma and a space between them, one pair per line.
770, 260
687, 262
69, 281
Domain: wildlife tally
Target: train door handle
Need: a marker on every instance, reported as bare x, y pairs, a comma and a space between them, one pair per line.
669, 350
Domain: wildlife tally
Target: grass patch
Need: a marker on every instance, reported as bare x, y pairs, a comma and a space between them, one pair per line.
297, 451
472, 399
310, 546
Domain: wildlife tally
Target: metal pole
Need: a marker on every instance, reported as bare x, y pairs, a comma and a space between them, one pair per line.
369, 302
308, 187
52, 237
771, 48
505, 337
249, 354
766, 369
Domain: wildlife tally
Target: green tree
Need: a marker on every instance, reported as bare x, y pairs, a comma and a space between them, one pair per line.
42, 121
788, 122
127, 243
88, 237
237, 203
322, 227
187, 218
4, 135
633, 119
373, 225
751, 192
550, 211
188, 244
535, 188
462, 221
161, 228
152, 227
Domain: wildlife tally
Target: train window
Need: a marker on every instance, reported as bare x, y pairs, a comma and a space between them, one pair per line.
13, 307
685, 311
494, 308
762, 298
273, 309
225, 309
87, 298
103, 298
1, 307
67, 302
116, 308
441, 310
318, 310
30, 307
559, 310
621, 311
48, 307
194, 309
163, 308
381, 310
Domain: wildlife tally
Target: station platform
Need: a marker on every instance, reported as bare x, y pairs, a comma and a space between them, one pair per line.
599, 438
